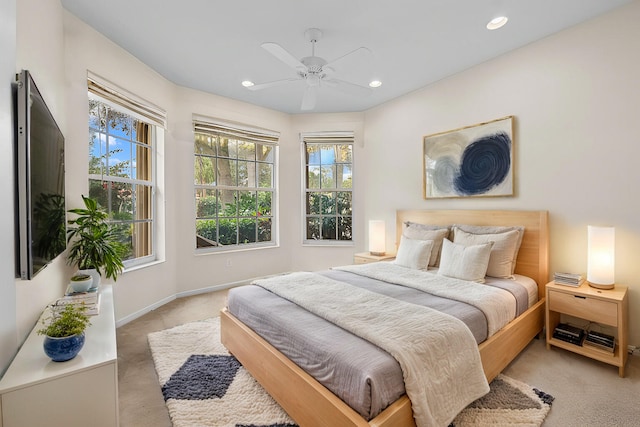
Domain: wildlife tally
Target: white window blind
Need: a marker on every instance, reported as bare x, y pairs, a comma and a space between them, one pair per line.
120, 97
327, 137
234, 130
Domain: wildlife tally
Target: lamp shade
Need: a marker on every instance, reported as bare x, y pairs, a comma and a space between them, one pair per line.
377, 245
601, 257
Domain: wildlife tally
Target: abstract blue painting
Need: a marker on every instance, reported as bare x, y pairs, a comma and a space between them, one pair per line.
473, 161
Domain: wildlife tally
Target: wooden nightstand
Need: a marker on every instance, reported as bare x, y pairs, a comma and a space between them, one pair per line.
366, 258
606, 307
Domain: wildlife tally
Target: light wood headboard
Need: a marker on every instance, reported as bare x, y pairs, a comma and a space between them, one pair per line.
533, 257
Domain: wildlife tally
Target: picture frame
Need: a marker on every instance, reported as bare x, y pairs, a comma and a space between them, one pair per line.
471, 161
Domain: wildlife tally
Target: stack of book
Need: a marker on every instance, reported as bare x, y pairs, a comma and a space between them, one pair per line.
569, 279
91, 300
600, 340
569, 333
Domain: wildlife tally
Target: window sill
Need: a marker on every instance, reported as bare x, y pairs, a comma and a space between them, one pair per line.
227, 249
327, 243
141, 266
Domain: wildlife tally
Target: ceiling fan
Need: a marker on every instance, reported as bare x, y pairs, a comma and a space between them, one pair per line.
313, 70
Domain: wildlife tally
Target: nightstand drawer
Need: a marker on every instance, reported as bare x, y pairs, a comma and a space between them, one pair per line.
584, 307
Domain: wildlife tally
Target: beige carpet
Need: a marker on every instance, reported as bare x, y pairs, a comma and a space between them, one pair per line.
203, 385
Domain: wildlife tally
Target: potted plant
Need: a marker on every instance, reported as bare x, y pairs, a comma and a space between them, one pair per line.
64, 331
80, 282
93, 243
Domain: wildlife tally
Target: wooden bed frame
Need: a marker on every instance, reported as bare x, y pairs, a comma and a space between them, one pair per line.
309, 403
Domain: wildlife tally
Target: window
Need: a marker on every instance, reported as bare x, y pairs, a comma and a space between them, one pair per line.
123, 139
328, 162
235, 185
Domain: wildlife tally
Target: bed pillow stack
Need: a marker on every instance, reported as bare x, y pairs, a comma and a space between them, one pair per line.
501, 260
506, 244
501, 242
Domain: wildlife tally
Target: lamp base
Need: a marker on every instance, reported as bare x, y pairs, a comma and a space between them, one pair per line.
599, 286
377, 253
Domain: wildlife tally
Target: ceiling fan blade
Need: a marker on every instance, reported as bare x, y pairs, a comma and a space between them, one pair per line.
362, 52
348, 87
272, 84
284, 56
309, 98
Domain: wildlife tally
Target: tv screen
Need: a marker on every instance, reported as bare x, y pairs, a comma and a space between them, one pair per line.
41, 220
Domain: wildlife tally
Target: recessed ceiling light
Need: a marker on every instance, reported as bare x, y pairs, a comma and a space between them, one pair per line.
247, 83
375, 83
497, 22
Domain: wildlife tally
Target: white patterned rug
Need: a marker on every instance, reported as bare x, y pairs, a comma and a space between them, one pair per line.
206, 387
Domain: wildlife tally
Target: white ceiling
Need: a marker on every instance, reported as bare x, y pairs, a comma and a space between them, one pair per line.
213, 45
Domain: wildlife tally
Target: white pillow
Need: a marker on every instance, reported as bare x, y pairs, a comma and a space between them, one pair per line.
464, 262
414, 253
419, 232
503, 252
495, 229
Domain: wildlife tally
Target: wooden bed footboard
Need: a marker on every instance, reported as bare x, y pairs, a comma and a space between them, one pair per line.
307, 401
312, 404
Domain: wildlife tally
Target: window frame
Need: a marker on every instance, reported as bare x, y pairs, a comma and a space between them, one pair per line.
126, 103
238, 132
325, 138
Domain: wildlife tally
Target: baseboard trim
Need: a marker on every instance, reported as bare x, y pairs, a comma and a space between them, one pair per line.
213, 288
142, 312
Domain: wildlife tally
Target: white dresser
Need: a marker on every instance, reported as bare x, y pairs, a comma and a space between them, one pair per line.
83, 391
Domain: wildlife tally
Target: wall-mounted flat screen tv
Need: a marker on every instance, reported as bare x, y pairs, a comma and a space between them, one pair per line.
40, 198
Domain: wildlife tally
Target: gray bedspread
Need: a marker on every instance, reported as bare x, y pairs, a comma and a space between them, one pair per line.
367, 378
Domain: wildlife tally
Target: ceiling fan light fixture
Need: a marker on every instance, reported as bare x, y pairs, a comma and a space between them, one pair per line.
375, 83
313, 79
497, 22
247, 83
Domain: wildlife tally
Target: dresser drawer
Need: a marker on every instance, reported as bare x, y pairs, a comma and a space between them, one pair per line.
584, 307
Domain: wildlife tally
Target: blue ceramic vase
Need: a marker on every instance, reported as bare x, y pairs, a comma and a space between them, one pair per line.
63, 349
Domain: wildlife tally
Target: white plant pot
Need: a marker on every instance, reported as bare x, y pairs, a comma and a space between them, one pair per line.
81, 285
94, 274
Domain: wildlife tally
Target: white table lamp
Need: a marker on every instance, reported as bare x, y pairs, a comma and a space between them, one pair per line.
601, 257
377, 245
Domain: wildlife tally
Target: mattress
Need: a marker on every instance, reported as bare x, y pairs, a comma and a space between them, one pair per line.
364, 376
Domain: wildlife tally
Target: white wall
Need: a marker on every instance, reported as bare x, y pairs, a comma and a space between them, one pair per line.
41, 52
575, 98
8, 329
